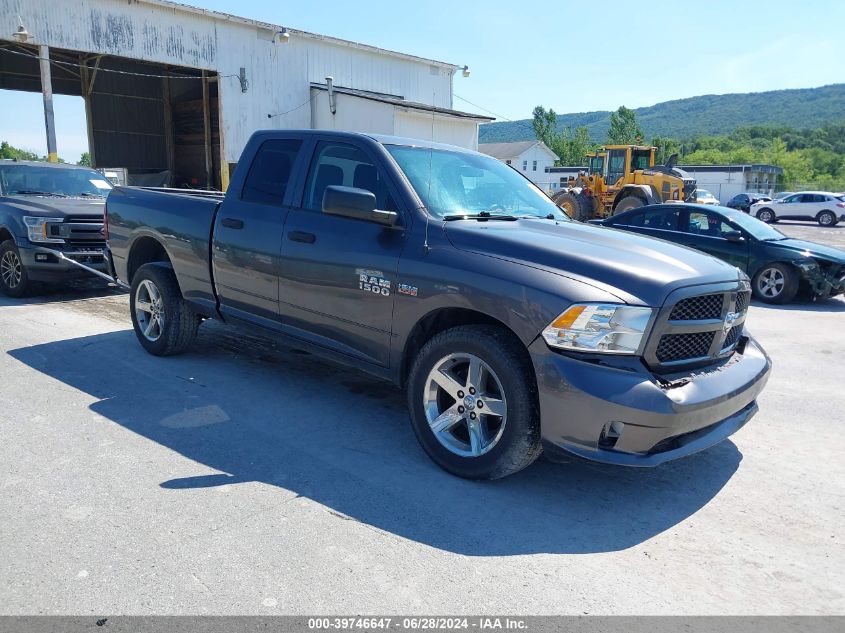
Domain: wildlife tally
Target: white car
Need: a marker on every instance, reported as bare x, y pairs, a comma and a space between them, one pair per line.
702, 196
822, 206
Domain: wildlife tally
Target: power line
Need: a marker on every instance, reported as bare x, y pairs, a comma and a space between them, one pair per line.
273, 116
104, 70
498, 116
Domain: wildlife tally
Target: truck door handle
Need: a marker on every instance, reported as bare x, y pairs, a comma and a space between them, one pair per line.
301, 236
232, 223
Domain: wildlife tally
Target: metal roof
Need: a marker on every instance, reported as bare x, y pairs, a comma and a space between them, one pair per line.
503, 151
228, 17
399, 101
774, 169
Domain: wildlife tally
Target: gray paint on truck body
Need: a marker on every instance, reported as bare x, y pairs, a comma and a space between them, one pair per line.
520, 274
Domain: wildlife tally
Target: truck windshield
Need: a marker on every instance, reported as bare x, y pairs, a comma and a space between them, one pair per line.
35, 180
458, 183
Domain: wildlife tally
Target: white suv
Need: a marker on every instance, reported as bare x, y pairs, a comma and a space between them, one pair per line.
824, 207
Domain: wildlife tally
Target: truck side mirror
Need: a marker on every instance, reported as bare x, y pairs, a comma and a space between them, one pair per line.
358, 204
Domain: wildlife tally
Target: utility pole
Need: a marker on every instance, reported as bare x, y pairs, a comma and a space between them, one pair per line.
47, 92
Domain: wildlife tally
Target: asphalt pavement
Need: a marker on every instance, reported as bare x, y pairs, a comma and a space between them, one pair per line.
247, 478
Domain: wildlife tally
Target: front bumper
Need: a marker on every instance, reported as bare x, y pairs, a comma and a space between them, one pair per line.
43, 265
663, 418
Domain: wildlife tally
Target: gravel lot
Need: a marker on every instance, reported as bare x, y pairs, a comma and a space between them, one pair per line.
243, 478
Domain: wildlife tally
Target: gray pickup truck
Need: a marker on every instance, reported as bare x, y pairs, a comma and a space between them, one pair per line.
512, 328
45, 209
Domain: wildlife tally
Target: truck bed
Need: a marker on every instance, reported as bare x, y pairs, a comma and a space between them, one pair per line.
183, 218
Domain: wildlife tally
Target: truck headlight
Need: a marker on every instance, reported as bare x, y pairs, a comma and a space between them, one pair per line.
603, 327
36, 229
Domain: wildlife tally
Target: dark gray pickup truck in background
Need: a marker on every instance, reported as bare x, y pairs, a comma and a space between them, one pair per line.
47, 208
512, 328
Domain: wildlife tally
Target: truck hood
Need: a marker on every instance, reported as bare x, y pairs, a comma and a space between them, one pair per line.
56, 207
637, 269
811, 249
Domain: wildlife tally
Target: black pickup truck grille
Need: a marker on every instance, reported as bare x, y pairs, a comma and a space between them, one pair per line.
80, 231
698, 328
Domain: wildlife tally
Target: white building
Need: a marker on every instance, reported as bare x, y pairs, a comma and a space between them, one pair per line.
725, 181
532, 158
169, 87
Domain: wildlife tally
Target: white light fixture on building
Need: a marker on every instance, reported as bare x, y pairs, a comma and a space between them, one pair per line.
21, 35
466, 71
281, 36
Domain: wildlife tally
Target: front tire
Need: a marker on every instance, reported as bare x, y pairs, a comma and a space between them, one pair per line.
14, 281
827, 218
629, 202
473, 401
163, 321
775, 283
766, 215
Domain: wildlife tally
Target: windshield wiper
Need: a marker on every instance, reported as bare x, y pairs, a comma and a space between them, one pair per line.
93, 195
484, 215
33, 192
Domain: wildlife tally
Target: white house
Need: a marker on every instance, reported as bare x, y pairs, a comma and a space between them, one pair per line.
532, 158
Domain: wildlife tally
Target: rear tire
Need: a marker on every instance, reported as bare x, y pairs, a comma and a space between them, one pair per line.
827, 218
163, 321
766, 215
13, 278
775, 283
628, 202
459, 383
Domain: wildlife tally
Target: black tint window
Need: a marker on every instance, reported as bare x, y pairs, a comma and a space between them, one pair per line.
635, 219
269, 174
666, 220
348, 166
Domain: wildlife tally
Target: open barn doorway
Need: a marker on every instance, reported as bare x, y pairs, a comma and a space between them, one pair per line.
157, 124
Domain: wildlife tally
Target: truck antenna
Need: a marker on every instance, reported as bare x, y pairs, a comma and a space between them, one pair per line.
426, 248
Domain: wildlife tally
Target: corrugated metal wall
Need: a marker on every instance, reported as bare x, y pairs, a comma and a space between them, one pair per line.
278, 74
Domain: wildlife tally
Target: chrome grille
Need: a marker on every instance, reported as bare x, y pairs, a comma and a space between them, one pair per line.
697, 308
675, 347
742, 299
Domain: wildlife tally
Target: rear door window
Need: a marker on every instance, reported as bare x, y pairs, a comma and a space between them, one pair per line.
269, 174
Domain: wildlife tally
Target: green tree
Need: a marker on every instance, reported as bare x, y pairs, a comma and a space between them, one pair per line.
570, 147
545, 125
624, 128
9, 151
85, 159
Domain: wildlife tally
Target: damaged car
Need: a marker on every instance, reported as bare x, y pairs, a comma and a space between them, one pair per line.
780, 267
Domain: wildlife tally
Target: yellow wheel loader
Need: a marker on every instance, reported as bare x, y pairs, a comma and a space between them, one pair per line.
621, 177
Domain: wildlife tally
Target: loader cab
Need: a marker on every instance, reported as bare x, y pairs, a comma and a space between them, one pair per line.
596, 164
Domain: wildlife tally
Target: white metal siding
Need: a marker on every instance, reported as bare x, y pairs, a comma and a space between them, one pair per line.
279, 74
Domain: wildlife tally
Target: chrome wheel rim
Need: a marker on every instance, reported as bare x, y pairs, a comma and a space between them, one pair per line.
149, 310
11, 270
771, 282
465, 405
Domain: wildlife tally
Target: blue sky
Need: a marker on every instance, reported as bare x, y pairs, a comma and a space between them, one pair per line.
522, 54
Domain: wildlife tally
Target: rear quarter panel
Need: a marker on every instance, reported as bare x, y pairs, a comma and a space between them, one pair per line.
180, 223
